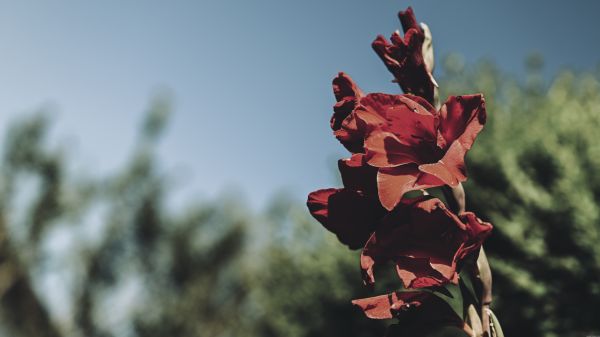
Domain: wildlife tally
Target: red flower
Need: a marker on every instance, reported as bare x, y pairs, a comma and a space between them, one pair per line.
413, 145
404, 57
416, 147
356, 114
425, 240
353, 212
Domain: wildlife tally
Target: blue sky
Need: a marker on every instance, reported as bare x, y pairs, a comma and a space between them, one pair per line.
250, 79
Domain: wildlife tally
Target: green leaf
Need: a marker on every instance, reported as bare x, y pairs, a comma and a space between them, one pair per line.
452, 295
468, 285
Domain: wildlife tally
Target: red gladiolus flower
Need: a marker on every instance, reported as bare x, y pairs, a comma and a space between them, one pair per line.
414, 146
356, 114
390, 305
425, 240
404, 57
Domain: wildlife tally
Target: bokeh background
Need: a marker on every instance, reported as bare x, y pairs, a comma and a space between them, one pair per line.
155, 158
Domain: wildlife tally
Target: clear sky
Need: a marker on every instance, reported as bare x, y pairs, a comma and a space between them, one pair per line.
250, 79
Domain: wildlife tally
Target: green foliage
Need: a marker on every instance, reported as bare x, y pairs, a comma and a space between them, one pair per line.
534, 174
208, 269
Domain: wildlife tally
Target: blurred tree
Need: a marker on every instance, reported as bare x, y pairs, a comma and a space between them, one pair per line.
534, 174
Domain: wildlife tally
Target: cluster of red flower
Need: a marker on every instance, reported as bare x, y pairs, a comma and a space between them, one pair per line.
401, 143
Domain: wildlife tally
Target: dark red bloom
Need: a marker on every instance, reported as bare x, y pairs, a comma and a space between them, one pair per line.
416, 147
425, 240
356, 114
391, 305
404, 57
413, 145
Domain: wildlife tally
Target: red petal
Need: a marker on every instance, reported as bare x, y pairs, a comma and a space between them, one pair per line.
358, 175
408, 20
346, 94
369, 119
413, 39
412, 122
381, 47
477, 231
350, 135
384, 149
344, 86
367, 262
423, 103
404, 58
348, 214
475, 226
318, 204
461, 118
390, 305
418, 273
424, 239
440, 171
446, 267
341, 110
342, 122
399, 42
454, 161
393, 183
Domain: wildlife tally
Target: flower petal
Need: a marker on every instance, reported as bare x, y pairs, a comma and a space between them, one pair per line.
342, 122
425, 240
344, 86
346, 94
367, 262
404, 57
407, 235
350, 135
318, 202
358, 175
407, 19
384, 149
411, 119
461, 118
454, 161
477, 232
390, 305
442, 172
418, 273
394, 182
347, 213
341, 110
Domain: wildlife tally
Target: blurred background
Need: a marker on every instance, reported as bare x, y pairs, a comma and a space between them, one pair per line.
155, 160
